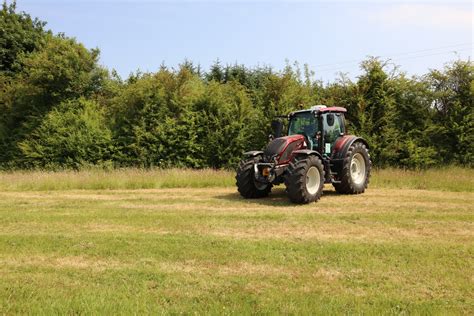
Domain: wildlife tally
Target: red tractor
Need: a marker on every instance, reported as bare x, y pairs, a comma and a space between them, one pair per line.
316, 151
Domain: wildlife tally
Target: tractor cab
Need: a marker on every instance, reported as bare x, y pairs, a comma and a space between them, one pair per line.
320, 125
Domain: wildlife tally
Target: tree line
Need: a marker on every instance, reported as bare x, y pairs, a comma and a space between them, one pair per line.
60, 109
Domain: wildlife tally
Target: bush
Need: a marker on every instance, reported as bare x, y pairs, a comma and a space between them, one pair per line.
56, 103
70, 136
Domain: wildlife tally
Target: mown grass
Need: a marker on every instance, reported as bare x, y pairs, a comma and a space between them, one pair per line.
455, 179
68, 249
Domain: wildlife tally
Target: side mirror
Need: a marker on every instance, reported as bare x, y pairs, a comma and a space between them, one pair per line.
277, 128
330, 119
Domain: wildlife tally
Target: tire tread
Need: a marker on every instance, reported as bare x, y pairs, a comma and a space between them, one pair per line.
245, 180
346, 186
295, 180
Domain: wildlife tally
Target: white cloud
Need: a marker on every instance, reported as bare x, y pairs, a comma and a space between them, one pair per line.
423, 15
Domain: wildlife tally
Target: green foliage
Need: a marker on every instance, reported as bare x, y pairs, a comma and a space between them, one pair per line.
376, 104
19, 34
174, 119
185, 117
72, 135
228, 123
153, 120
61, 70
410, 122
453, 98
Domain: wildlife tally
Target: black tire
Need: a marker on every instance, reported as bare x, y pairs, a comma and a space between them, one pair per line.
247, 186
299, 191
351, 184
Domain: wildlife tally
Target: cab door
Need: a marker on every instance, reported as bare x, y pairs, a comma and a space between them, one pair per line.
333, 128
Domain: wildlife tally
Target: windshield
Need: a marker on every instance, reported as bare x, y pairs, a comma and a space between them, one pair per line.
303, 123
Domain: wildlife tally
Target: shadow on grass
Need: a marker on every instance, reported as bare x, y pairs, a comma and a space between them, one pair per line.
277, 197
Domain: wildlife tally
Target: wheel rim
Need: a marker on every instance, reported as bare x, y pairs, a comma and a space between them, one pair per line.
259, 185
313, 180
358, 169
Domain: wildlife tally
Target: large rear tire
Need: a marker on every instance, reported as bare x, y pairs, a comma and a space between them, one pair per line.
305, 180
355, 172
247, 186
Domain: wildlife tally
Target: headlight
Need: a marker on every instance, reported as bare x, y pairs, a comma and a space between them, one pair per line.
266, 171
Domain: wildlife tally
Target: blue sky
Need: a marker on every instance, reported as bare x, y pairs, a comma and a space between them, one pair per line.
329, 36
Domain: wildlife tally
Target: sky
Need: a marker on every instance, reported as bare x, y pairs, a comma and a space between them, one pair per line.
331, 37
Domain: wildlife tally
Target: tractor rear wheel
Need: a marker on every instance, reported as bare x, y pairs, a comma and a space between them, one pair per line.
247, 185
305, 180
355, 172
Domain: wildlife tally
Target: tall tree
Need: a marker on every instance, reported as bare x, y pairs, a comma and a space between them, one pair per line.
376, 105
19, 34
453, 101
61, 70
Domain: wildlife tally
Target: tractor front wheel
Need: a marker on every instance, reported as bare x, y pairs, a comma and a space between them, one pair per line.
355, 172
305, 180
247, 185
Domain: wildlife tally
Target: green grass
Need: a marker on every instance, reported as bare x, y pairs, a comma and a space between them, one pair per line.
148, 245
454, 179
115, 179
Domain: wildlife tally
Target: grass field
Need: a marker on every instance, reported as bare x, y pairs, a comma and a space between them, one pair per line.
182, 241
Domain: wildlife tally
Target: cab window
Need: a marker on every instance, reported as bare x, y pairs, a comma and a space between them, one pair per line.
305, 123
333, 127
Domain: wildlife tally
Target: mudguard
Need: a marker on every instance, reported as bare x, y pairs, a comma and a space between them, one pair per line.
253, 153
343, 144
307, 152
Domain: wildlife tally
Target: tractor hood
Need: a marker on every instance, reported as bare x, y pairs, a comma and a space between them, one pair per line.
283, 147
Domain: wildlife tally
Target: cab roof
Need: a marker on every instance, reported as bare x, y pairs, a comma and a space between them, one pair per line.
322, 109
334, 109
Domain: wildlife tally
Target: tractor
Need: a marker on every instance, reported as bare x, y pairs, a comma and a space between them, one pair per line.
315, 151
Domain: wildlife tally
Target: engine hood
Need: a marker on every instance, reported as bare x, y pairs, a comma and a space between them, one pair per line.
283, 147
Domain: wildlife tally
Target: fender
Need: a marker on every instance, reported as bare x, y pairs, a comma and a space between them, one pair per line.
343, 144
307, 152
253, 153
